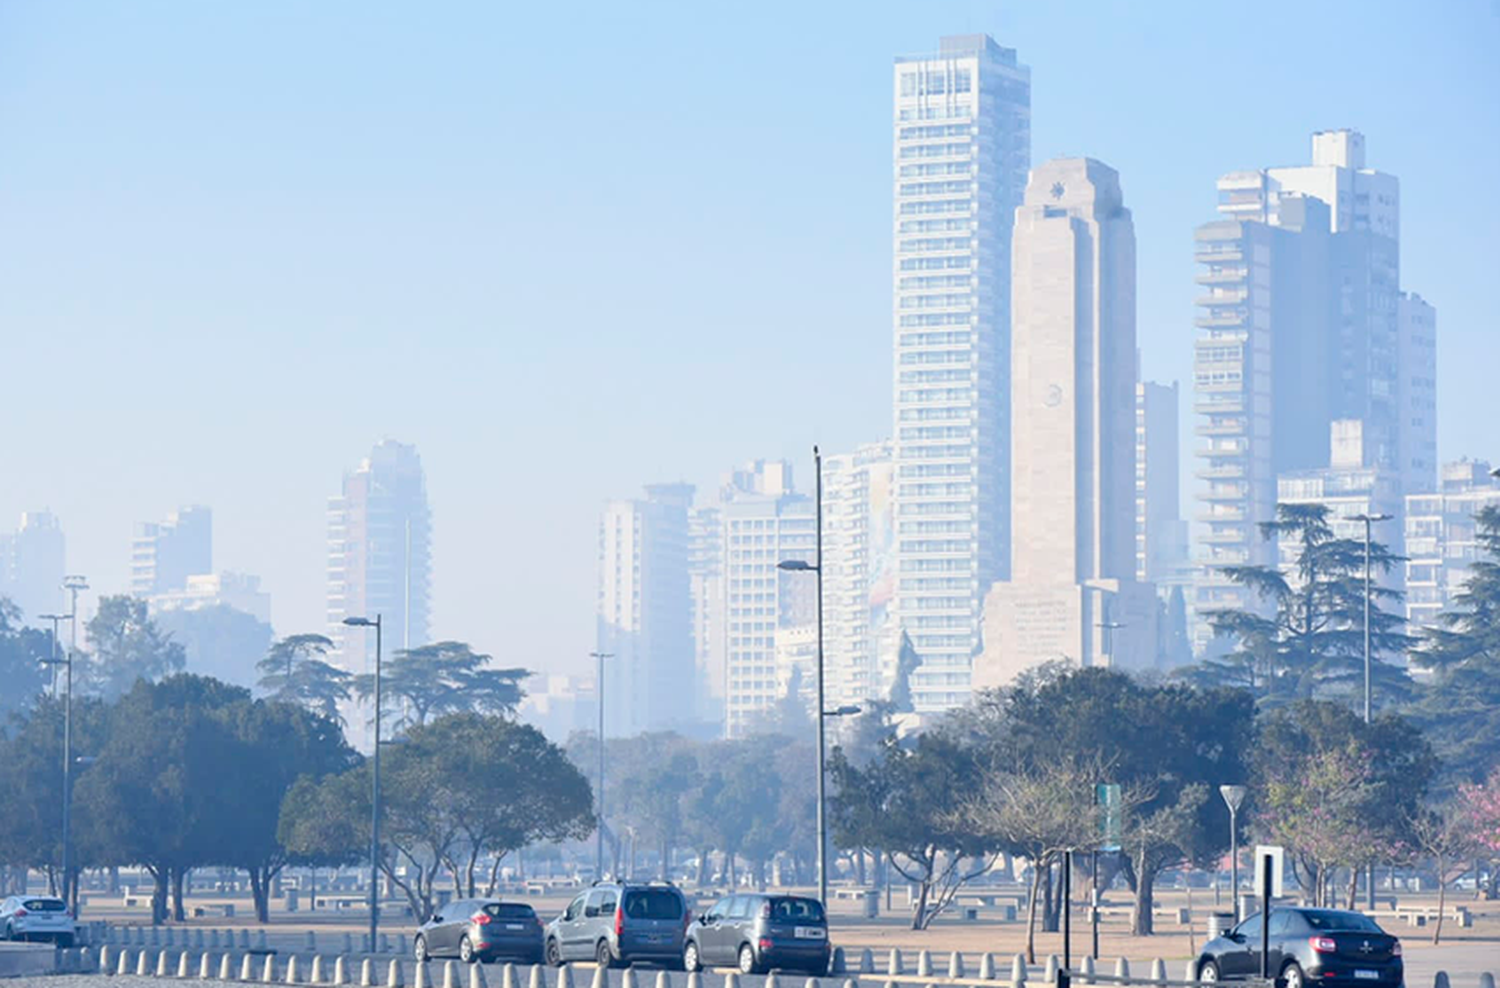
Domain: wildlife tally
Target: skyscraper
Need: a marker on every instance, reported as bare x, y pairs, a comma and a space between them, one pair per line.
1072, 593
32, 565
380, 556
1416, 393
644, 614
1160, 534
163, 555
1441, 545
962, 119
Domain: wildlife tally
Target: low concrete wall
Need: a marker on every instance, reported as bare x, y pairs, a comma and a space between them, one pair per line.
27, 959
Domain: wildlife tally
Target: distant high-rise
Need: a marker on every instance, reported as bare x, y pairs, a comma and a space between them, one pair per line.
1072, 593
644, 612
1348, 487
380, 556
163, 555
962, 119
32, 566
1416, 393
859, 574
1160, 533
1441, 544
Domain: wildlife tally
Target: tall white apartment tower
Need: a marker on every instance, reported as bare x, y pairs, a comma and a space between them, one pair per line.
163, 555
644, 614
379, 557
1072, 593
962, 120
1416, 393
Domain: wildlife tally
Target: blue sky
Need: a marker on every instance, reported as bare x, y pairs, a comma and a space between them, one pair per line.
567, 249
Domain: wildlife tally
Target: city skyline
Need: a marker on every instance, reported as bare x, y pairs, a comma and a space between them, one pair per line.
267, 486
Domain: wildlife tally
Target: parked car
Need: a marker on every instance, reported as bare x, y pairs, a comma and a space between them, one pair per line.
37, 917
481, 930
1321, 946
758, 932
617, 923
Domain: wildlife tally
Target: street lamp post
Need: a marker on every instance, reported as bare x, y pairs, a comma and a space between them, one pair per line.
1369, 520
599, 798
1233, 797
364, 622
67, 767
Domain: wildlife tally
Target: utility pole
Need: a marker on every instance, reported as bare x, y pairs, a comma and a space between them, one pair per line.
599, 797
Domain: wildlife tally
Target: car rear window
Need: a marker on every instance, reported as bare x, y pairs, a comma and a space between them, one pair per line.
797, 910
1338, 919
510, 910
653, 904
43, 905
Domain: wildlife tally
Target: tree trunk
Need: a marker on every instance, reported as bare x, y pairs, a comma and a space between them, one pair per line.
260, 894
1437, 931
158, 895
1049, 905
664, 866
1353, 887
179, 879
919, 914
1036, 888
1141, 918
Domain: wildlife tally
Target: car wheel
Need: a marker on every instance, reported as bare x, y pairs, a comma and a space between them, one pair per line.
1208, 971
747, 960
1291, 976
419, 949
466, 950
602, 955
554, 954
690, 962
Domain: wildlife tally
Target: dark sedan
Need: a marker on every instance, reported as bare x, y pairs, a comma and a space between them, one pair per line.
1308, 946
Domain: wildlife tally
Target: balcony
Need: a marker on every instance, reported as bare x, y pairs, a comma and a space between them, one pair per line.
1220, 473
1217, 320
1222, 298
1233, 276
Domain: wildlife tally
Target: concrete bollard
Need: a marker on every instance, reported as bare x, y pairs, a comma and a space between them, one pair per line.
367, 973
450, 975
771, 980
891, 984
838, 964
955, 965
340, 970
420, 978
213, 939
171, 938
138, 937
1440, 980
1159, 971
663, 979
1018, 970
316, 975
732, 980
268, 970
163, 963
538, 977
348, 944
508, 977
1486, 980
850, 983
811, 983
601, 977
123, 966
987, 967
893, 966
385, 944
154, 939
924, 964
393, 976
291, 970
226, 967
627, 980
312, 941
1122, 968
197, 935
565, 976
1088, 969
476, 976
694, 980
1049, 975
244, 939
247, 967
106, 959
260, 939
1190, 971
866, 961
183, 964
401, 943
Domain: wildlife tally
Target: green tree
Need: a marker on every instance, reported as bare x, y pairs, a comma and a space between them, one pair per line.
22, 650
1459, 709
444, 678
1311, 644
128, 646
1338, 792
218, 641
908, 803
650, 777
294, 671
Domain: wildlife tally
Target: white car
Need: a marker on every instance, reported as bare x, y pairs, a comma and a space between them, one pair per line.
36, 917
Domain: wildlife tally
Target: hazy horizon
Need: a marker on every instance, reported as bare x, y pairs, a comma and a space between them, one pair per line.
569, 255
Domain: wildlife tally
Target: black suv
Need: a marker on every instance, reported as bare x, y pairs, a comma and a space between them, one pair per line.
758, 932
615, 923
1321, 946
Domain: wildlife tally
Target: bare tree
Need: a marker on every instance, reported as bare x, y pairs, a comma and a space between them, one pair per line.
1446, 835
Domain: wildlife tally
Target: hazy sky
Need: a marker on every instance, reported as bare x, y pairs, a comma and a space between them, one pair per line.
569, 248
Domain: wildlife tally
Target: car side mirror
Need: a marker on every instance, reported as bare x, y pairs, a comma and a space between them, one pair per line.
435, 918
1237, 937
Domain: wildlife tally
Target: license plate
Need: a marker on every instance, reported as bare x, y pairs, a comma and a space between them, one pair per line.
1367, 975
810, 933
515, 926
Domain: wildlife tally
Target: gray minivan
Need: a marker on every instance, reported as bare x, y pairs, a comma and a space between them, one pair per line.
758, 932
617, 923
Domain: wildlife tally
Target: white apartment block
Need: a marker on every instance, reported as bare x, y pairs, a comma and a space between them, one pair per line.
32, 562
1160, 532
859, 573
240, 591
163, 555
1440, 538
1416, 393
961, 119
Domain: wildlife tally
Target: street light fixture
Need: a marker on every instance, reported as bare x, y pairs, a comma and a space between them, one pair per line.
66, 662
599, 825
1233, 797
364, 622
803, 566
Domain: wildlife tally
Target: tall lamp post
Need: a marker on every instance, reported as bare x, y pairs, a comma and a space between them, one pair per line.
1233, 797
599, 799
1369, 520
816, 567
66, 662
364, 622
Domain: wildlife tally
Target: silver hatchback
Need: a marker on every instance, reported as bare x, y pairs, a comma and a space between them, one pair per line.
37, 917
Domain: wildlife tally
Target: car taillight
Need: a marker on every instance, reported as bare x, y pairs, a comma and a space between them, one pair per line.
765, 943
480, 918
20, 913
765, 910
1395, 948
619, 922
1323, 945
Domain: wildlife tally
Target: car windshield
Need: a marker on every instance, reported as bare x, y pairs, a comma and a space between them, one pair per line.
510, 910
43, 905
1339, 919
797, 910
653, 904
